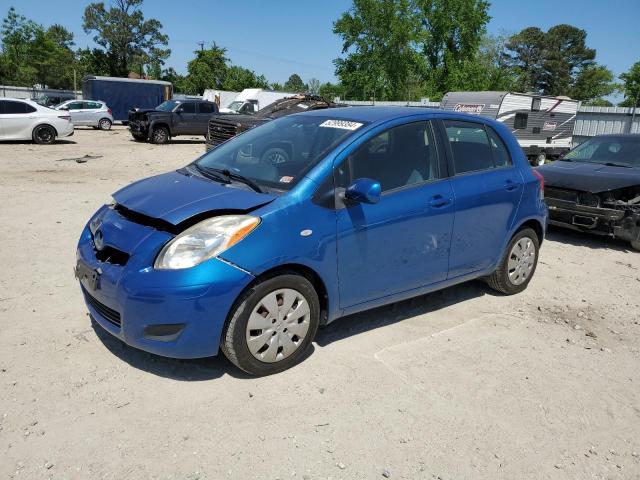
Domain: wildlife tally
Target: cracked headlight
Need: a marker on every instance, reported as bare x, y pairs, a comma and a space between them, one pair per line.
205, 240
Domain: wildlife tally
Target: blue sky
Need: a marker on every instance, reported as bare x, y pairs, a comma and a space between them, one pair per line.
279, 37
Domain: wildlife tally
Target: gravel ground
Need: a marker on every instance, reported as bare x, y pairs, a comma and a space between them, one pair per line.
458, 384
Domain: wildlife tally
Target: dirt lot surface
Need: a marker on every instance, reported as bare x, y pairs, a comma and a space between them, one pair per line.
460, 384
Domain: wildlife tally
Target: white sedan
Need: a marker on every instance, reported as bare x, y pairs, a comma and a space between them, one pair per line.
26, 120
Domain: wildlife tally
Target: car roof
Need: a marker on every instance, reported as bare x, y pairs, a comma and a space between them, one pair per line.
24, 100
370, 113
618, 135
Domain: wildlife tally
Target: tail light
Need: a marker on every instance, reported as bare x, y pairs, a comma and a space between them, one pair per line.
110, 112
540, 181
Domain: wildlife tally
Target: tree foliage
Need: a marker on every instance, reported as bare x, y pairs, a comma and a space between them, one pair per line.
631, 86
295, 84
126, 37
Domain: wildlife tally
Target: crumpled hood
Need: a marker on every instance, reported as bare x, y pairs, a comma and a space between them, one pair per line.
588, 177
174, 197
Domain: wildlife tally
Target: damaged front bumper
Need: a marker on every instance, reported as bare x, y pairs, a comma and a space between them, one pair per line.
622, 223
174, 313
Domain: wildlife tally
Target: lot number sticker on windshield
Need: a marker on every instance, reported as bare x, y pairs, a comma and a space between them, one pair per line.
343, 124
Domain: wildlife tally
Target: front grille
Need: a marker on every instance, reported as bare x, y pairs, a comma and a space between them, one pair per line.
220, 132
105, 312
561, 194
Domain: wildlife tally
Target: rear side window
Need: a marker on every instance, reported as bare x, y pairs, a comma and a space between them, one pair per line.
207, 108
76, 106
92, 105
501, 156
9, 107
469, 145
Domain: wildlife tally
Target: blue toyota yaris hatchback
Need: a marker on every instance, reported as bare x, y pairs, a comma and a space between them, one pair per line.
305, 219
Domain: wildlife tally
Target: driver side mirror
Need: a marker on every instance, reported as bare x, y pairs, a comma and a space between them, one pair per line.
364, 190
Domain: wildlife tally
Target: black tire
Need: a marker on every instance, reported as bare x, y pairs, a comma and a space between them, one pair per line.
500, 279
635, 244
275, 155
104, 124
234, 341
44, 134
160, 135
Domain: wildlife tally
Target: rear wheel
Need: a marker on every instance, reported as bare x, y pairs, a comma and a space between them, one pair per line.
518, 265
44, 134
104, 124
272, 325
160, 135
635, 244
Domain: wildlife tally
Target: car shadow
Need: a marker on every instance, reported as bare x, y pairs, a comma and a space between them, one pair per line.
586, 239
191, 370
396, 312
31, 142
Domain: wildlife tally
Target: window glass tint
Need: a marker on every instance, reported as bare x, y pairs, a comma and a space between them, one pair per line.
501, 157
398, 157
75, 106
92, 105
188, 108
16, 107
520, 121
207, 108
469, 146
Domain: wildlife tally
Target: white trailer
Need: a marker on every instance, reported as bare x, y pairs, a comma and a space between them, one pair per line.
543, 125
251, 100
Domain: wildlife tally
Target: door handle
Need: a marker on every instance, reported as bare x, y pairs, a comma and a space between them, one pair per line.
438, 201
510, 186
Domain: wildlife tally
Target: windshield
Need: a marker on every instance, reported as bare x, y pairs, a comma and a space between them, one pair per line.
235, 106
168, 106
623, 151
277, 154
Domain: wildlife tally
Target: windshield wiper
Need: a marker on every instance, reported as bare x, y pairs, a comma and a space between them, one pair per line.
613, 164
237, 177
211, 175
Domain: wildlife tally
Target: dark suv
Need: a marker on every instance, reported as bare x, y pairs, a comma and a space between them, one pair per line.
170, 119
223, 127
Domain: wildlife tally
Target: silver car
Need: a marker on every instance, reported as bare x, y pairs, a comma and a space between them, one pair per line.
90, 113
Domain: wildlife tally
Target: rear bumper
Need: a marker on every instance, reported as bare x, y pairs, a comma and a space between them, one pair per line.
179, 313
66, 130
611, 222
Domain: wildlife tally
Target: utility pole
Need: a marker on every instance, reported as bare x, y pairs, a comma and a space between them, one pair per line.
633, 114
201, 43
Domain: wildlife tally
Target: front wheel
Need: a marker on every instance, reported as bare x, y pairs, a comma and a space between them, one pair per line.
272, 325
160, 135
44, 135
635, 244
519, 264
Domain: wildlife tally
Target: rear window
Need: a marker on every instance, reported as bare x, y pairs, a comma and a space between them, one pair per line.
469, 145
207, 108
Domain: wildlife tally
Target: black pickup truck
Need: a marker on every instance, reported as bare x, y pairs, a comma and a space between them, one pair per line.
224, 127
170, 119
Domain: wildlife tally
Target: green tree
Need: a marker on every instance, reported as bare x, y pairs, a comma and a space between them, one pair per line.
18, 35
207, 70
592, 83
450, 37
126, 37
598, 102
524, 54
557, 62
329, 90
91, 62
238, 78
631, 86
566, 54
295, 84
277, 86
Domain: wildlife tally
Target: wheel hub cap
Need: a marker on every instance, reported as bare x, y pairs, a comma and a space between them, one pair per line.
521, 260
278, 325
